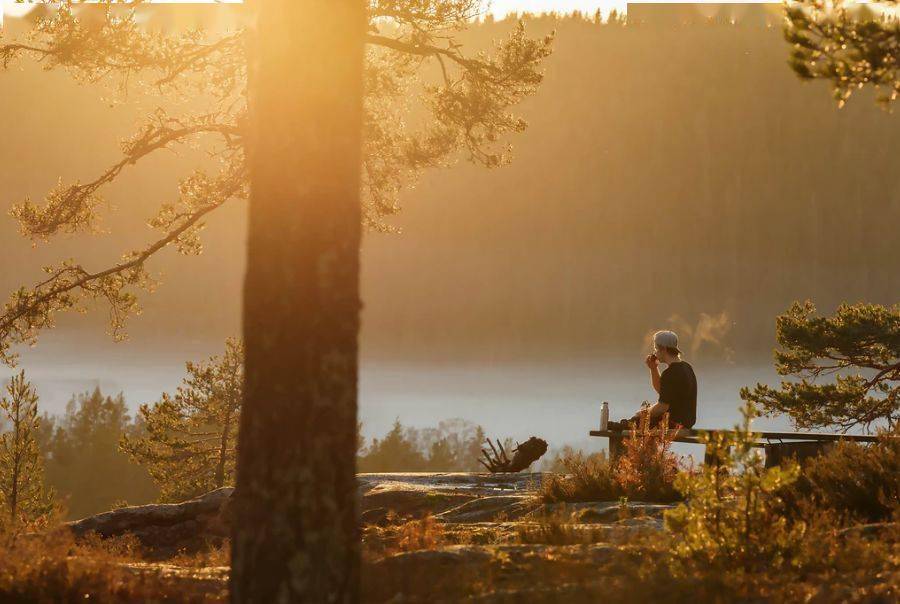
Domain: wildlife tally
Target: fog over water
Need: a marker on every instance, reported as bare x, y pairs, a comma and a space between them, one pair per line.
558, 401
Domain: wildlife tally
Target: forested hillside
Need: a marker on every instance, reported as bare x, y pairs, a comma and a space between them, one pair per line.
668, 169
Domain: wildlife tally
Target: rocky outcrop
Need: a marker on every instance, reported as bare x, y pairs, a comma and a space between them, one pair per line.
461, 500
407, 501
451, 497
135, 518
491, 508
476, 483
164, 529
608, 512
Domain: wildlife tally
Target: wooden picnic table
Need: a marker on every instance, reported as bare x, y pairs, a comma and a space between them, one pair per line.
763, 437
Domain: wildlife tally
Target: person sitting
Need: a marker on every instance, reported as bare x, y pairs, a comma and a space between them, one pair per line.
676, 387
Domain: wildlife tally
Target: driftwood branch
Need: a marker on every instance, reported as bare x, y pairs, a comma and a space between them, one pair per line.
524, 455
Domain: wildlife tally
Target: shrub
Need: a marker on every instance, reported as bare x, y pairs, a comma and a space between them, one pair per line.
425, 533
855, 482
731, 518
647, 467
645, 471
828, 566
731, 541
587, 478
51, 567
402, 536
215, 554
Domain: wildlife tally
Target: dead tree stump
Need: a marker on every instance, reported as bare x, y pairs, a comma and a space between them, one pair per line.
525, 454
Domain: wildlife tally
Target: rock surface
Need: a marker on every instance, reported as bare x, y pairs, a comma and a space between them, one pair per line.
492, 539
488, 507
453, 573
164, 529
608, 512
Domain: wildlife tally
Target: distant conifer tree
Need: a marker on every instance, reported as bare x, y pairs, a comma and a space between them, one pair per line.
21, 469
81, 453
440, 456
859, 345
189, 443
453, 446
398, 451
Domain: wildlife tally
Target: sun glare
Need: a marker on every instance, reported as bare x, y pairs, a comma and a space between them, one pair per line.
501, 8
498, 8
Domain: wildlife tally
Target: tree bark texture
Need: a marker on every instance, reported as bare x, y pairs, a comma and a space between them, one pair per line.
295, 535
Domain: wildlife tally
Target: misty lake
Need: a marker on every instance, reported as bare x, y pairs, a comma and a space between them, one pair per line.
558, 401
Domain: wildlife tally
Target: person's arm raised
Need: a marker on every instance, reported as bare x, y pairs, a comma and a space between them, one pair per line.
653, 364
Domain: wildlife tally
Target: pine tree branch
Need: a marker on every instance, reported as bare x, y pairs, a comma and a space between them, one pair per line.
72, 208
29, 310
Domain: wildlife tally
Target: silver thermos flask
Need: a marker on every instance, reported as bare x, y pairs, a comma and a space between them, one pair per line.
604, 416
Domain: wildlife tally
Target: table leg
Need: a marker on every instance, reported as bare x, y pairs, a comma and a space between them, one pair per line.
615, 446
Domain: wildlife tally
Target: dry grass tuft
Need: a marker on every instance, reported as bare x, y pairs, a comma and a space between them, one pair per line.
647, 467
426, 533
645, 471
49, 566
214, 554
586, 478
559, 527
402, 536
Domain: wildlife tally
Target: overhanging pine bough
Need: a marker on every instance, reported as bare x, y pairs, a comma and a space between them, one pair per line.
850, 44
469, 109
859, 346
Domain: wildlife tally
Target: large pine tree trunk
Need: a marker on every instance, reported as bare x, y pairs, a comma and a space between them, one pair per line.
295, 536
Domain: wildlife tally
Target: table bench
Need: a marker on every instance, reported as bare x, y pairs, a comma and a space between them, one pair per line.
764, 439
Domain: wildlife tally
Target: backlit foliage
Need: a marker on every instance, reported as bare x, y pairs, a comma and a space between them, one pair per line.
859, 345
731, 518
189, 441
580, 477
50, 566
851, 44
21, 464
853, 482
732, 541
413, 65
646, 470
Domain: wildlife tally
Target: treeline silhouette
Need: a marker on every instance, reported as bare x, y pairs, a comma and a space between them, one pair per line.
82, 461
88, 472
453, 446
